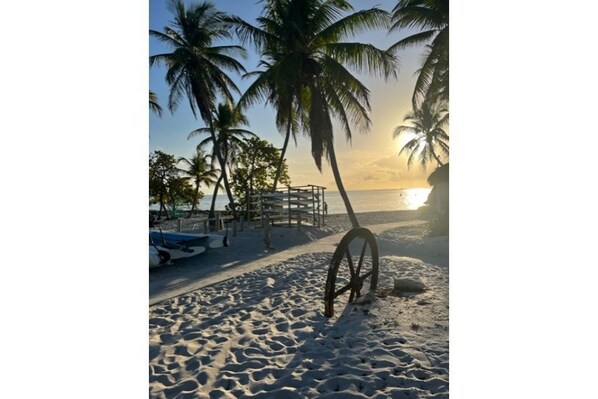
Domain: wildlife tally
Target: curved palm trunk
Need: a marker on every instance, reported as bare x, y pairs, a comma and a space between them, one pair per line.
284, 150
194, 199
212, 213
223, 169
339, 185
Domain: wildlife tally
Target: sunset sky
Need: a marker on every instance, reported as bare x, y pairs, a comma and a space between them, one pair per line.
75, 133
370, 162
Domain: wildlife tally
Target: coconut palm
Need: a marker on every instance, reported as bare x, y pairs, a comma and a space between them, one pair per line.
428, 128
195, 67
226, 121
431, 17
302, 43
281, 95
153, 104
274, 38
201, 171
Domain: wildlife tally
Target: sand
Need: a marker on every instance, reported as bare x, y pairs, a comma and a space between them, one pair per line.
254, 327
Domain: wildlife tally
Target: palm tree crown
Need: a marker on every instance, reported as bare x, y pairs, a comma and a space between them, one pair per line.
195, 67
200, 170
431, 17
303, 46
226, 122
428, 128
224, 136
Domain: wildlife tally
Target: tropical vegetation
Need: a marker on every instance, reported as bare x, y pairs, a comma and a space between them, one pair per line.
257, 167
154, 106
305, 50
309, 61
431, 18
428, 132
166, 187
229, 136
196, 67
200, 171
428, 128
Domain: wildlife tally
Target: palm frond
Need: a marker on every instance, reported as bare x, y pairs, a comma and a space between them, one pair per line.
364, 58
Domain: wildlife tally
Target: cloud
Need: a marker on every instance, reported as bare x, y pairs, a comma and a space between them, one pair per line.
382, 172
360, 170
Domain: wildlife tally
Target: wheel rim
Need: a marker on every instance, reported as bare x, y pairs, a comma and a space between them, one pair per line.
358, 274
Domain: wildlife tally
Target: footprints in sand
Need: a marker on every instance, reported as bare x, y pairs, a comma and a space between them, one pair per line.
263, 335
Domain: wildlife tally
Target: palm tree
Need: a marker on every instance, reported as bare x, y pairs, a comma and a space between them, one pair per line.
153, 104
428, 124
274, 38
196, 66
302, 45
201, 171
431, 17
229, 137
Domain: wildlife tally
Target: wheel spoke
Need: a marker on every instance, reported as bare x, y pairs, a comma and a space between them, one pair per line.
368, 274
365, 244
350, 261
342, 290
352, 295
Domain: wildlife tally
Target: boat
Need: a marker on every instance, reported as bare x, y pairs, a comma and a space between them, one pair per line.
168, 246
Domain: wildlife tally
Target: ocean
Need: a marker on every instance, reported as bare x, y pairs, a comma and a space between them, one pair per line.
362, 201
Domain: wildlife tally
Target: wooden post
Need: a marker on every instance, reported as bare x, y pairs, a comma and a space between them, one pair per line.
313, 204
289, 202
267, 236
324, 213
217, 222
205, 226
180, 228
262, 210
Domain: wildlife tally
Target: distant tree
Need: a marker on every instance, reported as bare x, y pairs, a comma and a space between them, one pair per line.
162, 172
432, 19
201, 172
257, 166
180, 193
153, 104
427, 127
226, 122
196, 67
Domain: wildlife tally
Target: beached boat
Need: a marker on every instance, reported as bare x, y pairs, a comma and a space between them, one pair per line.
165, 247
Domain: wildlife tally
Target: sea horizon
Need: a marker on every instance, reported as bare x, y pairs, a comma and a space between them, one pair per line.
374, 200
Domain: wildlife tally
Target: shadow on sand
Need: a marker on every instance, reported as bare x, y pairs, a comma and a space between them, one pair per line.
264, 335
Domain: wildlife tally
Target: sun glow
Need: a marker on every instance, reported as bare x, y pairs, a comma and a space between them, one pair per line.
416, 197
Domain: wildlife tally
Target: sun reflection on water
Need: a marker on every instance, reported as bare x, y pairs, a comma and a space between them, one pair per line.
415, 197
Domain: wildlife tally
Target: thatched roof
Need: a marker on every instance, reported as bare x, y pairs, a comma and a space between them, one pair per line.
441, 174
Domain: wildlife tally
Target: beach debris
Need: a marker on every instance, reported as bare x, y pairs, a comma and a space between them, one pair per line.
406, 286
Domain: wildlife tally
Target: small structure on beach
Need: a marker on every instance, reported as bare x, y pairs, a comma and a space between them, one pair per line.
291, 205
439, 196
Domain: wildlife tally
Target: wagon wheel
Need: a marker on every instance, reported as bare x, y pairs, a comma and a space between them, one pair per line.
357, 270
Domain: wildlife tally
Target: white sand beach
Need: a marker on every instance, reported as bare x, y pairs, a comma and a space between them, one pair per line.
254, 327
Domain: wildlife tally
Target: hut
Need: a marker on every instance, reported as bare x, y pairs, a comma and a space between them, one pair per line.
438, 199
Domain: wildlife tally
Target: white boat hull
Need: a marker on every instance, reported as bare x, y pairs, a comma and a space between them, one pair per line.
166, 247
